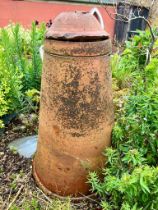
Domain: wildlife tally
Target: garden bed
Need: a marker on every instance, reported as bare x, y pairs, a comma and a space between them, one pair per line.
18, 189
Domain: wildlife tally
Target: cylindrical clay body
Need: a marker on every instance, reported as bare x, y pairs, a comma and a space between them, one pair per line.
76, 114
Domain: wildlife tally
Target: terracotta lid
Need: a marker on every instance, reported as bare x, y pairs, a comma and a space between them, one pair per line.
77, 26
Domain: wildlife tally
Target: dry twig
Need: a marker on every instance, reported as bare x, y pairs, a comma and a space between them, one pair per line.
15, 198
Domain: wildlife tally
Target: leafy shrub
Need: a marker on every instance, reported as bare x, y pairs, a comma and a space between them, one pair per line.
130, 173
20, 65
10, 87
135, 190
20, 50
127, 66
32, 100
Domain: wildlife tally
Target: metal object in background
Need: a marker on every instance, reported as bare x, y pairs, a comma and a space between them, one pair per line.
76, 111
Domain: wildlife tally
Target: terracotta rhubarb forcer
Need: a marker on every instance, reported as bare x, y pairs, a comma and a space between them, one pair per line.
76, 112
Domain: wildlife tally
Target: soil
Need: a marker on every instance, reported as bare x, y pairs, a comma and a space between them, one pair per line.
17, 185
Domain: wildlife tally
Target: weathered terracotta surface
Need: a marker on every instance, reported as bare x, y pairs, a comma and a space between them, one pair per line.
76, 114
76, 26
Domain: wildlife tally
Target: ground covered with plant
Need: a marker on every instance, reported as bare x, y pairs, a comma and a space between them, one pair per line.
18, 190
129, 179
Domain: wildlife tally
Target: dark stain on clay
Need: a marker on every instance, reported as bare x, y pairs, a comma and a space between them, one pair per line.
74, 111
56, 129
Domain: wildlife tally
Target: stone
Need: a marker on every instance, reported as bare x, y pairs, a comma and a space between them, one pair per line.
25, 146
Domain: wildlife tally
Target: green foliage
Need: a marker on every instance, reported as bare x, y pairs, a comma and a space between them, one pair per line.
20, 51
35, 204
127, 66
135, 190
20, 65
32, 100
32, 204
130, 175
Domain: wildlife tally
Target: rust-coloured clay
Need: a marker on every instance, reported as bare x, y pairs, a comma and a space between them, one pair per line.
76, 113
76, 26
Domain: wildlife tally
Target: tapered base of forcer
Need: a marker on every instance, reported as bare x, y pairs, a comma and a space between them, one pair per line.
49, 193
39, 183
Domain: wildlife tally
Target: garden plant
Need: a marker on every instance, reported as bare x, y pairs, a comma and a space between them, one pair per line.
130, 176
20, 68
